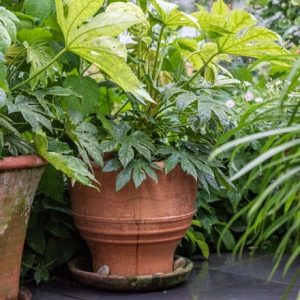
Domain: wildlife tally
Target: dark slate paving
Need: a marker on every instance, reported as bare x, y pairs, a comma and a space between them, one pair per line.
220, 278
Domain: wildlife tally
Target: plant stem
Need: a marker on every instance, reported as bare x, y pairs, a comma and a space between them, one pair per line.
139, 58
50, 63
199, 71
121, 108
157, 52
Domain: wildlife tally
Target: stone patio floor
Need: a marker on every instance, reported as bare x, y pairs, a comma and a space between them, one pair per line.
220, 278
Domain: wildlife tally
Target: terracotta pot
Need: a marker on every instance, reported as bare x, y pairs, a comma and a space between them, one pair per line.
135, 231
19, 178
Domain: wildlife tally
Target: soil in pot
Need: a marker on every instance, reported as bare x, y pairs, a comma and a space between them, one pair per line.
19, 178
134, 232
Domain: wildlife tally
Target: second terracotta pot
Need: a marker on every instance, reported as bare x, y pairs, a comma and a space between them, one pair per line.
135, 231
19, 178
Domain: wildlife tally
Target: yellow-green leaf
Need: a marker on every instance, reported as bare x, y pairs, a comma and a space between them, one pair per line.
171, 16
92, 37
220, 8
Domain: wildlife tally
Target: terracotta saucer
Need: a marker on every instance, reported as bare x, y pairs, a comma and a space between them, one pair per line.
81, 268
24, 294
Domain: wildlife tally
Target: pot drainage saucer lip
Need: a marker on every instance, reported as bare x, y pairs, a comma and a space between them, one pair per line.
24, 294
80, 268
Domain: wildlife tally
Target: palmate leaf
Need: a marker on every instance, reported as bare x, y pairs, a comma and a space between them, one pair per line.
137, 170
31, 112
137, 141
38, 56
236, 32
92, 37
85, 137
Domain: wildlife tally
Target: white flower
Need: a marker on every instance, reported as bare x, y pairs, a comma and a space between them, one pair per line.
125, 38
249, 96
230, 103
258, 100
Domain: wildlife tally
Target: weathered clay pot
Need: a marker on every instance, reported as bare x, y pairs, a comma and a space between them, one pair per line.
19, 178
135, 231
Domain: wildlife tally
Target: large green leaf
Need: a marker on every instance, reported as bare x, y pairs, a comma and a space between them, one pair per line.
92, 38
40, 9
31, 112
88, 89
8, 22
52, 184
236, 32
73, 167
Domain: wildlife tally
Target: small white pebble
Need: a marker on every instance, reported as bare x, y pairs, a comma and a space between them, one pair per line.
104, 270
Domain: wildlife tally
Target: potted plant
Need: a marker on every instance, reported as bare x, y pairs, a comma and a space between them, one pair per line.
157, 153
42, 57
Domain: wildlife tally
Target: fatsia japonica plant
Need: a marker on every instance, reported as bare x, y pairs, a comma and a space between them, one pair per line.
187, 78
44, 51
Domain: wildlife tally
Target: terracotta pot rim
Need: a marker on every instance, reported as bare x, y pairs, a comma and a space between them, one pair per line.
21, 162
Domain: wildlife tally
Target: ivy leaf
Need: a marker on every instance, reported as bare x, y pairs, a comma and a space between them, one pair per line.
92, 38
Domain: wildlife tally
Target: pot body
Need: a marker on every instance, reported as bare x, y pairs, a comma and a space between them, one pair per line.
19, 178
135, 231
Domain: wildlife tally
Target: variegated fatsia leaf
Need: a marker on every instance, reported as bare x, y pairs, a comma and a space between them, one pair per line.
92, 36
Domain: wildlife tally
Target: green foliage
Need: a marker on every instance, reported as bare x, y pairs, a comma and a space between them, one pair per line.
40, 9
35, 54
282, 17
94, 40
274, 211
190, 112
52, 239
8, 30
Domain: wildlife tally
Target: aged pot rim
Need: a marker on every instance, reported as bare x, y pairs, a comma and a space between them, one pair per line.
21, 162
